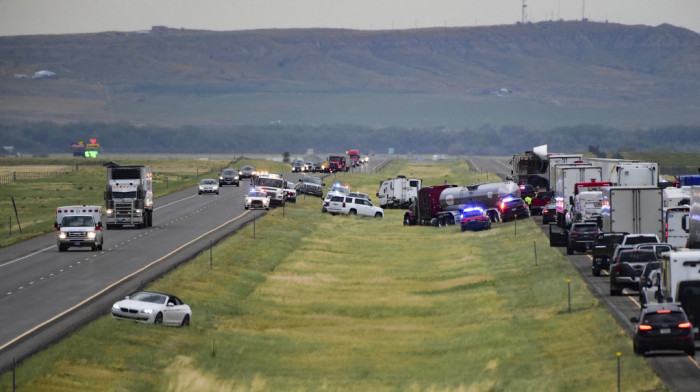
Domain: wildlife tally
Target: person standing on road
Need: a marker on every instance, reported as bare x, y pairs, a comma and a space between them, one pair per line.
528, 200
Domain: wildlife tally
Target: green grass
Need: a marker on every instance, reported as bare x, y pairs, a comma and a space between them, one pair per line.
319, 302
36, 200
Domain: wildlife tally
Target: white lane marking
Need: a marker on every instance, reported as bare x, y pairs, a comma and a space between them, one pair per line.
104, 290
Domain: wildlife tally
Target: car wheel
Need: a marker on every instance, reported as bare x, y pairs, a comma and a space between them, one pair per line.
158, 319
186, 321
569, 251
406, 221
378, 215
352, 212
596, 271
614, 292
691, 351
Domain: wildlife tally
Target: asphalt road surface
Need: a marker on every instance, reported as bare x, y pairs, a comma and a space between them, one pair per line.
679, 372
46, 294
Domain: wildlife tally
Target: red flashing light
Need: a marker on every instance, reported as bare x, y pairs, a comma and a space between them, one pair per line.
644, 327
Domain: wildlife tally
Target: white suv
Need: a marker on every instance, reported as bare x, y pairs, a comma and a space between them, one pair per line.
340, 204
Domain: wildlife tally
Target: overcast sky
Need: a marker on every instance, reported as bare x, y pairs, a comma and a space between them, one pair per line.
20, 17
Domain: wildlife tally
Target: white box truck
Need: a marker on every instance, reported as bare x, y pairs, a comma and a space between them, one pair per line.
680, 282
675, 230
565, 179
79, 226
635, 210
398, 192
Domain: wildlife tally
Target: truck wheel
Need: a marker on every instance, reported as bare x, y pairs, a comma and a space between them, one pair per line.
434, 222
406, 221
62, 248
94, 248
596, 271
99, 247
569, 251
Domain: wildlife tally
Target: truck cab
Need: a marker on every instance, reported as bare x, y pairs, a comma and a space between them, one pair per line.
273, 186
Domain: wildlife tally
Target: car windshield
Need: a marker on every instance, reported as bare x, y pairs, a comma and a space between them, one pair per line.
77, 221
228, 172
149, 297
314, 180
247, 168
640, 240
271, 182
208, 182
585, 228
257, 194
664, 318
124, 195
610, 239
472, 213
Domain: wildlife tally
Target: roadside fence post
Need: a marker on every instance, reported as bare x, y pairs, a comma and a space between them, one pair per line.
568, 282
619, 354
254, 217
534, 243
211, 246
515, 224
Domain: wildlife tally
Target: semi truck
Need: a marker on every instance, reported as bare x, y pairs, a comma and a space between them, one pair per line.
441, 205
337, 163
556, 159
565, 179
398, 192
354, 155
587, 201
634, 210
79, 226
675, 221
531, 167
680, 282
129, 196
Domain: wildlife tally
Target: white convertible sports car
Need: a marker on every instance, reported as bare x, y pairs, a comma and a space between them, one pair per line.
257, 199
155, 308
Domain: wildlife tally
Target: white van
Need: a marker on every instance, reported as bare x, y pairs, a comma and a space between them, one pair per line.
79, 226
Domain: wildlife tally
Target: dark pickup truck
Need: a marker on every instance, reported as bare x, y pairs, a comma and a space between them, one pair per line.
603, 249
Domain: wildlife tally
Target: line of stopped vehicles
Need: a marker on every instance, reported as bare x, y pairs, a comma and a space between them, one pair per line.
641, 230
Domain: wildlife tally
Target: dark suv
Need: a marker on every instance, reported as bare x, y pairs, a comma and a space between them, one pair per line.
625, 272
663, 327
229, 177
603, 249
581, 237
512, 208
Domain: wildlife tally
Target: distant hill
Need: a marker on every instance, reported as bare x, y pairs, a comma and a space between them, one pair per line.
549, 73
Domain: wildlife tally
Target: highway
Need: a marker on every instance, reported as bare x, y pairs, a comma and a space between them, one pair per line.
46, 294
679, 372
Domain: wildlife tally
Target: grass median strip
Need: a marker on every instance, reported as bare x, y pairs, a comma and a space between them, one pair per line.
321, 302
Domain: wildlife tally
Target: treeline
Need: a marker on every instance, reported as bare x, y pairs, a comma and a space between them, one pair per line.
48, 137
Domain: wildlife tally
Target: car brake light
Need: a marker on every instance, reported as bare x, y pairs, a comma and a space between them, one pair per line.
684, 325
644, 327
343, 204
574, 234
617, 269
663, 311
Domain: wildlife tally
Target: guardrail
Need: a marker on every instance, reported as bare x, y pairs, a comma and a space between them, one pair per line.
380, 166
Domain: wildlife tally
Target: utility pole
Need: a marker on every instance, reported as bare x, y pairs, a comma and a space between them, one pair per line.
523, 16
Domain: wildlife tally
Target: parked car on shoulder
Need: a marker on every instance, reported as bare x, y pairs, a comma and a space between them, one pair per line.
208, 185
512, 208
154, 308
257, 199
311, 185
340, 204
663, 327
229, 177
474, 219
291, 189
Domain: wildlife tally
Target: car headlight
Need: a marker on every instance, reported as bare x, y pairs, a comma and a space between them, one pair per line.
221, 177
91, 235
63, 235
110, 211
201, 188
115, 306
215, 187
147, 311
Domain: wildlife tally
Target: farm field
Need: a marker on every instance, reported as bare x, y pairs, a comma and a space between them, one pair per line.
320, 302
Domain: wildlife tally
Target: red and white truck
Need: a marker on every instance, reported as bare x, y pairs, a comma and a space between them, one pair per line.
355, 158
337, 163
79, 226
